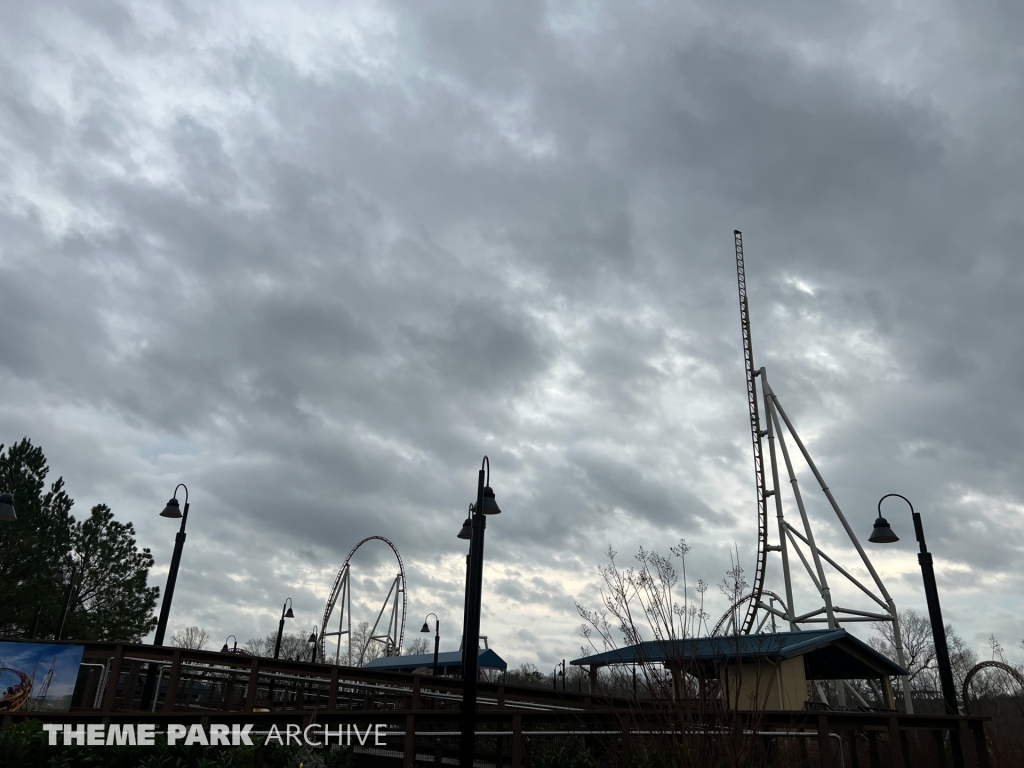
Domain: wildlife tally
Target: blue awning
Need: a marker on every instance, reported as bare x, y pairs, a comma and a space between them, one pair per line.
829, 653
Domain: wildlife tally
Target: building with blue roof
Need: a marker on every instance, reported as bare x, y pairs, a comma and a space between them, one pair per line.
769, 671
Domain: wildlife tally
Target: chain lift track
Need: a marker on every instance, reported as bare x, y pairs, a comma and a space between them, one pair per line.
778, 428
342, 592
755, 434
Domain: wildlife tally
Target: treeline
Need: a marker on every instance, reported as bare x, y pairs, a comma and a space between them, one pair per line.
296, 646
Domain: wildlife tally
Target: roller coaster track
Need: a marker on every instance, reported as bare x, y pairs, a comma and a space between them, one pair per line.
745, 599
16, 696
1013, 673
754, 599
397, 622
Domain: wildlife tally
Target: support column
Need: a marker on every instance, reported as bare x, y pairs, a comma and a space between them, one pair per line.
332, 694
416, 682
409, 752
250, 692
517, 741
172, 681
896, 744
112, 680
824, 744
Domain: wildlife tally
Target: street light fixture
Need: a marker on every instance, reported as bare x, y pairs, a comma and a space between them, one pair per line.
883, 534
437, 635
172, 510
234, 649
286, 613
7, 497
485, 505
312, 639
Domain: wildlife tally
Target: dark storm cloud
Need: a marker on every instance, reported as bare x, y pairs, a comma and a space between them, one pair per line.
319, 262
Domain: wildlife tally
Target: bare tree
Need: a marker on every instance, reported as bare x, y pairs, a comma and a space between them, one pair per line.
526, 674
294, 645
961, 657
365, 648
652, 601
260, 646
193, 638
419, 646
919, 650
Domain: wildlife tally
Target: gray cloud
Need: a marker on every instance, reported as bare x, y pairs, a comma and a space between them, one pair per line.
318, 263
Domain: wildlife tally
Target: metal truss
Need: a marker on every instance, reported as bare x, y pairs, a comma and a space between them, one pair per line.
799, 539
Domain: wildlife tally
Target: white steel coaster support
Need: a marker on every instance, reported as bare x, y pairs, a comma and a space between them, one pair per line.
788, 535
783, 546
826, 594
890, 605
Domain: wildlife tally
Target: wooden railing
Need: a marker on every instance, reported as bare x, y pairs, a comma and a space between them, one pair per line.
420, 714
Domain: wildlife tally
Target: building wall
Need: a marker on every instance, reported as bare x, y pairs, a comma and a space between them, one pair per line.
764, 685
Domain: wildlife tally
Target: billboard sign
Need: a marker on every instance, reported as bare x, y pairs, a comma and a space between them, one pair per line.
38, 677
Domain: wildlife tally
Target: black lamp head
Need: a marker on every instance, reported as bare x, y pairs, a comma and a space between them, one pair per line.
490, 504
225, 649
425, 627
312, 637
7, 507
173, 509
288, 614
882, 533
467, 530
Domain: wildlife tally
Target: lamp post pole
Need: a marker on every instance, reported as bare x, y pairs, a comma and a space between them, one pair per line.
67, 601
285, 614
172, 511
437, 636
485, 505
467, 535
883, 534
312, 639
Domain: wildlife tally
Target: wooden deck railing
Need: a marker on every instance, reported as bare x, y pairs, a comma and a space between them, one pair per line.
420, 714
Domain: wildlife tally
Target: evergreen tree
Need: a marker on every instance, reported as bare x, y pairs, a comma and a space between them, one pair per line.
40, 551
33, 548
110, 599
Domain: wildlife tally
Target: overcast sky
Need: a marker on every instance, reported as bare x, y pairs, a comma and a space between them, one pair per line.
316, 259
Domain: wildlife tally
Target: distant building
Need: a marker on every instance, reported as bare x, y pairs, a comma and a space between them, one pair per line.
448, 663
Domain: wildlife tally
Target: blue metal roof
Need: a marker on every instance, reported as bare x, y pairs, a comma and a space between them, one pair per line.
831, 652
448, 662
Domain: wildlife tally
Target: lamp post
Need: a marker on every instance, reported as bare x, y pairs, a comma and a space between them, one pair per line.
285, 614
883, 534
67, 601
7, 497
233, 649
312, 639
485, 505
437, 636
173, 511
466, 534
